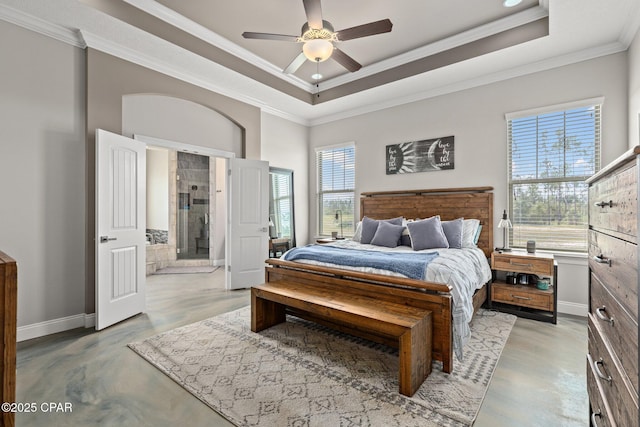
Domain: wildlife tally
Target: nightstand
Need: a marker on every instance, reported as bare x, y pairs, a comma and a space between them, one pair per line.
524, 300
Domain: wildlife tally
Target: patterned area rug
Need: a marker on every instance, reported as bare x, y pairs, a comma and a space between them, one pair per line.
302, 374
186, 270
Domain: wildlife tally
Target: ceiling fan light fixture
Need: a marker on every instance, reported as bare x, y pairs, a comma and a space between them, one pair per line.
317, 50
511, 3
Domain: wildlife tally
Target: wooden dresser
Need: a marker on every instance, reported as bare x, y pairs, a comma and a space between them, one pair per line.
8, 311
612, 361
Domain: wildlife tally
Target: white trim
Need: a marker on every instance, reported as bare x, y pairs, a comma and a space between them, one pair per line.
461, 39
54, 326
519, 71
179, 21
123, 52
557, 107
566, 307
41, 26
335, 146
187, 148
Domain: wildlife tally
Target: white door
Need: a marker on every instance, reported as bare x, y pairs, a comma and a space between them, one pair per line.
248, 236
120, 228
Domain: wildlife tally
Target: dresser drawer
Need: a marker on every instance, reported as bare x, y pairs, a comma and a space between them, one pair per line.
600, 413
615, 262
524, 296
522, 264
616, 389
613, 203
619, 329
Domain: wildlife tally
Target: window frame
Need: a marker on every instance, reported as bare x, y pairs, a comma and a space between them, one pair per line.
348, 232
535, 114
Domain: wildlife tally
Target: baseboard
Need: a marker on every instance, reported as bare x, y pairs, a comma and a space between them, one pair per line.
54, 326
573, 308
218, 262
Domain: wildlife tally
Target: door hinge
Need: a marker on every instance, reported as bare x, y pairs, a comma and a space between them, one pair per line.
229, 172
229, 268
177, 177
178, 250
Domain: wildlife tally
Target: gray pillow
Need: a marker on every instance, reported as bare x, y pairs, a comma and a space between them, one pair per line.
369, 227
387, 234
453, 232
427, 234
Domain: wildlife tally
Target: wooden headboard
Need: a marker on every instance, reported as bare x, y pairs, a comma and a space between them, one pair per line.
449, 203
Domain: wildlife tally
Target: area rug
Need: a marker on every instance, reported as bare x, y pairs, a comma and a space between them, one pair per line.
186, 270
302, 374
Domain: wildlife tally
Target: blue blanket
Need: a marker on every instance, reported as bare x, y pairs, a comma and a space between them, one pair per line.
413, 265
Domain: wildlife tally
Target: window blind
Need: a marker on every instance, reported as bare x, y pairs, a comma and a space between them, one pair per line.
336, 189
550, 156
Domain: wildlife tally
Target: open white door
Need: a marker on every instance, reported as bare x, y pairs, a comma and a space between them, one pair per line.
248, 242
120, 228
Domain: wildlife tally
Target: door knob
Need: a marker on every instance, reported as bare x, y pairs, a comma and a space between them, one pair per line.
105, 239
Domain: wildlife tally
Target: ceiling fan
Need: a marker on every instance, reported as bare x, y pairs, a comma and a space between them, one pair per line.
319, 38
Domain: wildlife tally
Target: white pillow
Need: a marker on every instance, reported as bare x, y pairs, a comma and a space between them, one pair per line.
469, 230
357, 236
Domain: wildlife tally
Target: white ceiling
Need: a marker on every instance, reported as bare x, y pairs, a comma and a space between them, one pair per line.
200, 41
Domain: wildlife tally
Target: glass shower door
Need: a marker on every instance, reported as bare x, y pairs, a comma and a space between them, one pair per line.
192, 223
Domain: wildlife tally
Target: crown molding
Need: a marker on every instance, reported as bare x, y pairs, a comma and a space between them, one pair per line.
534, 67
630, 28
107, 46
41, 26
185, 24
474, 34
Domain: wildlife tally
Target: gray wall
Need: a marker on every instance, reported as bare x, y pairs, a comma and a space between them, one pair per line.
42, 171
634, 92
285, 145
476, 117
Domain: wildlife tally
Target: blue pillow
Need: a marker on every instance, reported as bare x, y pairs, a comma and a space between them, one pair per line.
427, 234
370, 226
387, 234
453, 232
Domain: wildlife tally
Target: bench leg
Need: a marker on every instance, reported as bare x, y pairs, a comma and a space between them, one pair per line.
415, 356
265, 313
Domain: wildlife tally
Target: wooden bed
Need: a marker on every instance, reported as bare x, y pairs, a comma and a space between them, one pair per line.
473, 202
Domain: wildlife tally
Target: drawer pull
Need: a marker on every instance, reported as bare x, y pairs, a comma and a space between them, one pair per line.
603, 204
520, 297
596, 367
601, 259
598, 413
600, 313
520, 264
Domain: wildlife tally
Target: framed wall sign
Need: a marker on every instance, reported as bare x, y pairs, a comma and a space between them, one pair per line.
420, 156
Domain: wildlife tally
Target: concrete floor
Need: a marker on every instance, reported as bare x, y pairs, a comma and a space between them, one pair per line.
539, 380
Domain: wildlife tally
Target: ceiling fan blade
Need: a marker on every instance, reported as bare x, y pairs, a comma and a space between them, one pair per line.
313, 9
377, 27
268, 36
345, 60
295, 64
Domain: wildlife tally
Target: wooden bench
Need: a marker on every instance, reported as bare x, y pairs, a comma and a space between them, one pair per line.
408, 327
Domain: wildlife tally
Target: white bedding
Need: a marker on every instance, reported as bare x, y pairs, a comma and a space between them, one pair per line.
465, 270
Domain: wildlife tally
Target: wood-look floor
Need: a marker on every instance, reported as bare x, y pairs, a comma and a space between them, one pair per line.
539, 381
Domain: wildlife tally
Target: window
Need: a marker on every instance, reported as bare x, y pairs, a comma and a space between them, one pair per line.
550, 155
336, 190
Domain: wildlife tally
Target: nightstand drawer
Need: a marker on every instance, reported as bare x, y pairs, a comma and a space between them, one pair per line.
524, 296
522, 264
